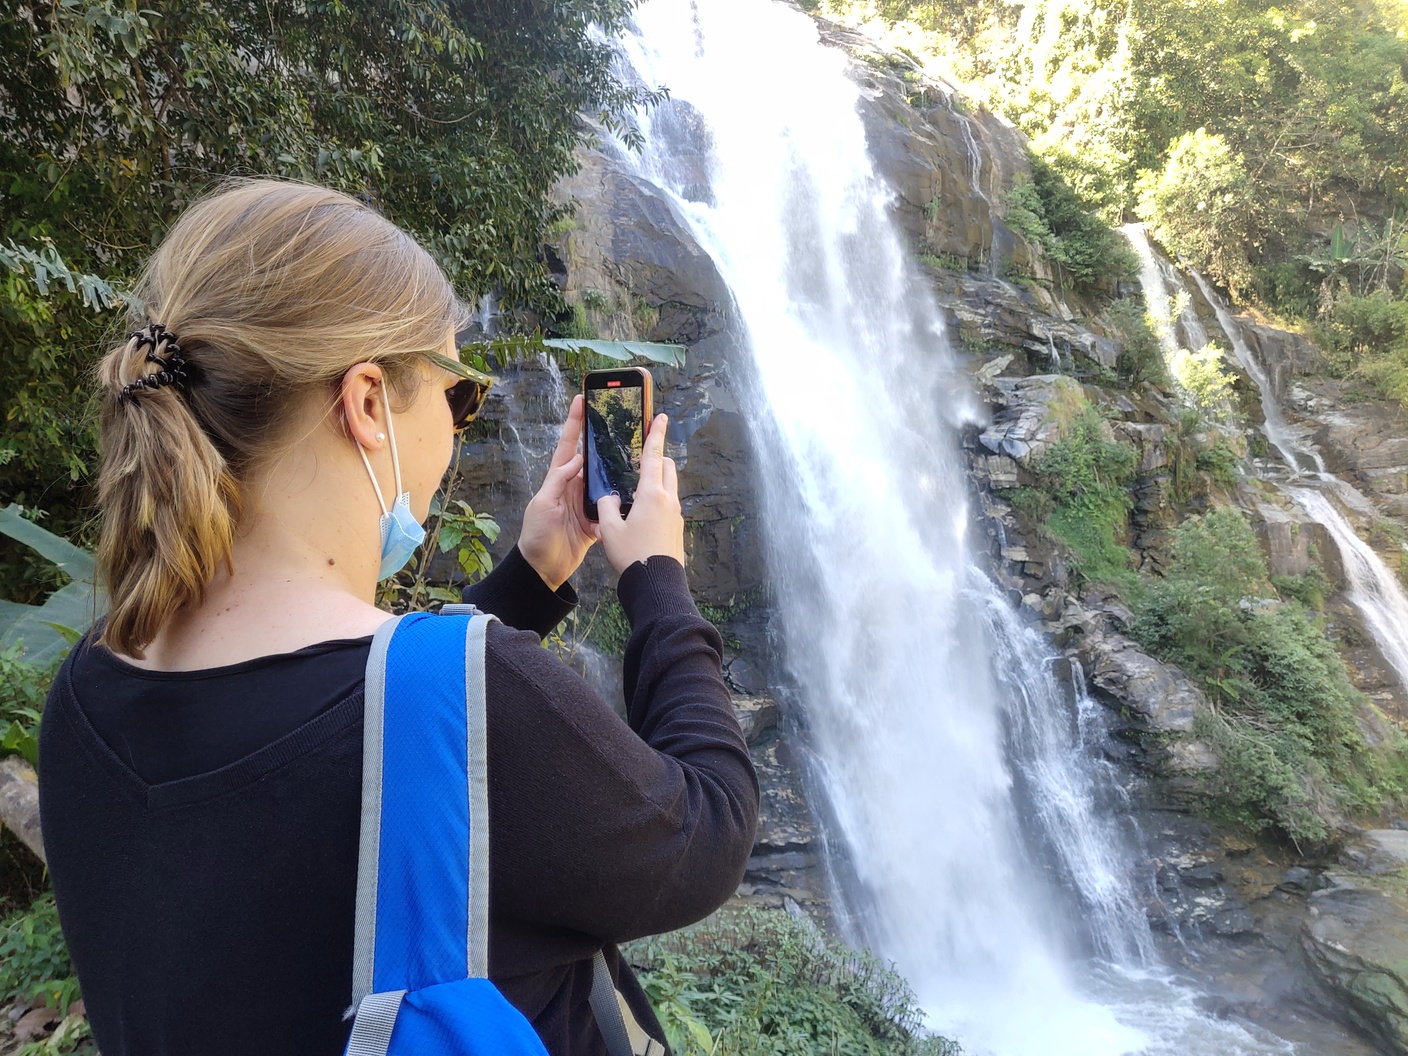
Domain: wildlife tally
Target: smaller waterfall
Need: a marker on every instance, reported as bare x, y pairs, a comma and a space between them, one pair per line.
1297, 455
1372, 587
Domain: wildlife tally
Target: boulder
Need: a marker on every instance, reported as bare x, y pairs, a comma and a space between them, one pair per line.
1356, 942
1163, 695
1376, 851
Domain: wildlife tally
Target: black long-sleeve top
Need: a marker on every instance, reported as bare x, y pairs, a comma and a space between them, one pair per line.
201, 827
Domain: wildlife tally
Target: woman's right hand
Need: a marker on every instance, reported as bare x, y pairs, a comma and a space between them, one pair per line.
655, 524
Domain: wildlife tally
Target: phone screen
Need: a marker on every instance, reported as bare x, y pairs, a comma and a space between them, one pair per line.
615, 438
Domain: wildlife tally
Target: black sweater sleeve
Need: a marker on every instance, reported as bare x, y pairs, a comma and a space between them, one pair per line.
517, 595
619, 831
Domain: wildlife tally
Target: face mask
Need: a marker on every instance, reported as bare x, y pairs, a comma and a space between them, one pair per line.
401, 533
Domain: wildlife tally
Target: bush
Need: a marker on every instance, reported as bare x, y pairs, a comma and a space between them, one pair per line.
761, 983
1049, 214
1142, 359
1202, 382
1087, 477
34, 962
1367, 337
1284, 710
23, 687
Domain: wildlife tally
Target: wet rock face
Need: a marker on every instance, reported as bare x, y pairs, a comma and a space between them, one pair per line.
786, 860
949, 168
1356, 942
1364, 442
626, 249
1163, 695
1282, 354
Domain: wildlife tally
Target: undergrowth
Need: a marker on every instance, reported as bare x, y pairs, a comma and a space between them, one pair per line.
762, 983
1284, 712
1083, 498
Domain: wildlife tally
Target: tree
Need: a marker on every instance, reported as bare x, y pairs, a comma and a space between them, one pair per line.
454, 118
1200, 205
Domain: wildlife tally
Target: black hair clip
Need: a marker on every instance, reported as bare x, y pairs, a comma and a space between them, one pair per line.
171, 366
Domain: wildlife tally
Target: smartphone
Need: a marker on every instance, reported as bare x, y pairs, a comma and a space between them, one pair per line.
619, 409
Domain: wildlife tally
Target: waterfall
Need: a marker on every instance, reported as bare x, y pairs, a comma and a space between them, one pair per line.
1372, 588
978, 824
1297, 455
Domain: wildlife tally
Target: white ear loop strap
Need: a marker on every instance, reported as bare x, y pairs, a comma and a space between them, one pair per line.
395, 460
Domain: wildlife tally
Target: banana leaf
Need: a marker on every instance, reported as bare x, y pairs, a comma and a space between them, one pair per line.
49, 629
516, 346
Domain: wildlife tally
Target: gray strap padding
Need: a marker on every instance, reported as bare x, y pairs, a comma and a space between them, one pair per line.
607, 1011
376, 1019
477, 757
369, 843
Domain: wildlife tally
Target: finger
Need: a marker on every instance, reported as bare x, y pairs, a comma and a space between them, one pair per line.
561, 476
571, 433
653, 454
608, 511
670, 477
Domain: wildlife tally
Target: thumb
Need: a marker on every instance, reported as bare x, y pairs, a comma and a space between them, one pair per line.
608, 511
560, 476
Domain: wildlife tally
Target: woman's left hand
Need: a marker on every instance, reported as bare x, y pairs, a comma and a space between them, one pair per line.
556, 533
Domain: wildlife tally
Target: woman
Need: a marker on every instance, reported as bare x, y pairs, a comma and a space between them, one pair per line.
201, 749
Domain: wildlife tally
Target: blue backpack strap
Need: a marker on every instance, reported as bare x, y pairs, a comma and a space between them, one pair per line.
423, 864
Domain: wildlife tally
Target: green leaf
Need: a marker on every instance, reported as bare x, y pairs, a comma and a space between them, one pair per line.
655, 352
77, 562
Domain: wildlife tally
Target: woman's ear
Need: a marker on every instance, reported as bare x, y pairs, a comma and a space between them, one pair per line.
363, 409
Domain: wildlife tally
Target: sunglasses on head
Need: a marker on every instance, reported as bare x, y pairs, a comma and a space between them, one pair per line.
465, 397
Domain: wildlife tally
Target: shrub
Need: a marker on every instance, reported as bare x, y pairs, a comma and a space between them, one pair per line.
761, 983
1048, 213
1086, 477
23, 687
1284, 710
1201, 380
34, 962
1142, 359
1367, 337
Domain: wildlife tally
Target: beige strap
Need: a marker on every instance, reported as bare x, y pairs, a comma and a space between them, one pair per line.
642, 1044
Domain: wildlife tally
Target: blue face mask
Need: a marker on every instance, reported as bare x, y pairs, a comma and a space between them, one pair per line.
401, 533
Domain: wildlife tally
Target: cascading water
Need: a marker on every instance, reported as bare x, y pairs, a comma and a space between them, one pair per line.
1298, 455
986, 859
1371, 587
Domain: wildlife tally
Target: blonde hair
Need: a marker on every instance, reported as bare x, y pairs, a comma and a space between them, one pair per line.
273, 290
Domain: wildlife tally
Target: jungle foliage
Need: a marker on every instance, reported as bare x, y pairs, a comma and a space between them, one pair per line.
1284, 713
1082, 496
453, 118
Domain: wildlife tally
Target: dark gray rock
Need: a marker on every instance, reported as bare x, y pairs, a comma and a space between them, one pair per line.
1162, 694
1356, 941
